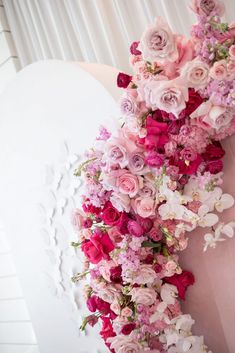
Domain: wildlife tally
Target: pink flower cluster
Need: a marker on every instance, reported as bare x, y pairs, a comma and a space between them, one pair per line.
153, 180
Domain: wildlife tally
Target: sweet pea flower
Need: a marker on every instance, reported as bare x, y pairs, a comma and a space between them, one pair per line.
157, 43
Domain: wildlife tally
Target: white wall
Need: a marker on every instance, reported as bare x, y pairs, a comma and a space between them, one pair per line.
16, 330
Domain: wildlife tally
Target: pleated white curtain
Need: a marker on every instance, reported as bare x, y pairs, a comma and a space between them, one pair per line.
90, 30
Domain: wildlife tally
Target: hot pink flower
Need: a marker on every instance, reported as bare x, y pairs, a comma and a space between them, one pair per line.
98, 247
123, 80
135, 228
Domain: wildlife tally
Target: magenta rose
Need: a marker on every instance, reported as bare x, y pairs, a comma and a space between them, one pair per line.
116, 274
110, 215
146, 223
181, 281
128, 328
135, 228
154, 159
214, 167
123, 80
97, 247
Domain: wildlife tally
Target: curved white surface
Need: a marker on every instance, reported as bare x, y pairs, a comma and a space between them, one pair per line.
49, 112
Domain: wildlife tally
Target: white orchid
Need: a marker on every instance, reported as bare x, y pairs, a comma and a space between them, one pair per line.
206, 219
221, 229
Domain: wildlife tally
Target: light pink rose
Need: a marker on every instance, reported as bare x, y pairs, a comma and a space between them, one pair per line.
148, 189
115, 235
206, 7
145, 275
231, 70
137, 163
169, 96
115, 307
219, 70
170, 268
129, 105
214, 115
144, 207
232, 52
125, 344
115, 153
145, 296
120, 201
128, 184
158, 43
126, 312
196, 73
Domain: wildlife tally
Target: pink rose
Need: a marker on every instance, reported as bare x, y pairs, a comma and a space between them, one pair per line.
155, 234
148, 189
196, 73
137, 163
126, 312
128, 184
125, 344
214, 115
115, 153
129, 105
110, 215
231, 70
169, 96
154, 159
145, 275
206, 7
232, 52
145, 296
158, 43
120, 201
219, 70
135, 228
98, 247
145, 207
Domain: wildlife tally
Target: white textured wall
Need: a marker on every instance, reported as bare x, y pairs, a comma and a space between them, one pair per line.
90, 30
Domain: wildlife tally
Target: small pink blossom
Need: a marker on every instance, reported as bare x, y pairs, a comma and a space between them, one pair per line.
219, 70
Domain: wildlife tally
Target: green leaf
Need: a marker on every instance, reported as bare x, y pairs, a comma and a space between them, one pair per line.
150, 244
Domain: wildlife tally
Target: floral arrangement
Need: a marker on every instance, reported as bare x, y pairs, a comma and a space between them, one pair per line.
153, 180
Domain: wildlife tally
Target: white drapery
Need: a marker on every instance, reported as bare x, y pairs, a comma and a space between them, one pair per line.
90, 30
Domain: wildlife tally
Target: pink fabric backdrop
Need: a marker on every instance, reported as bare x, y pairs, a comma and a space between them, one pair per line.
211, 301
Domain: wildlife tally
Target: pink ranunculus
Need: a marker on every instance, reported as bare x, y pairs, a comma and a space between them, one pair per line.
169, 96
206, 7
144, 207
97, 247
196, 73
128, 184
219, 70
135, 228
158, 44
145, 296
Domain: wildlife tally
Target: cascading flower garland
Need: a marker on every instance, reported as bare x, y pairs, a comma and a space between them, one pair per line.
153, 180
